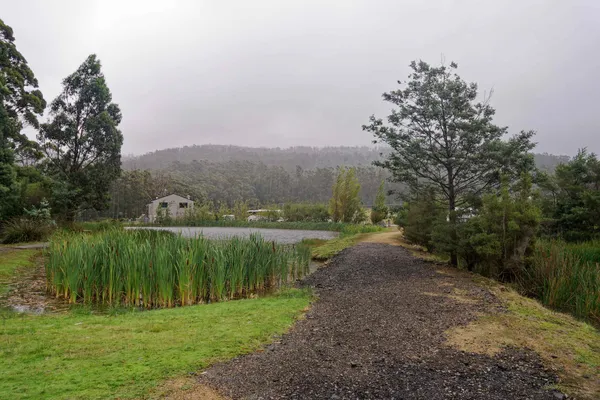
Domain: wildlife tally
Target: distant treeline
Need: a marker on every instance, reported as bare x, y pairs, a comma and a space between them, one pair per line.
307, 158
231, 181
262, 176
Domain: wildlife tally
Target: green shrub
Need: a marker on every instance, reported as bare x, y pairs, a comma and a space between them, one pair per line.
91, 226
419, 219
377, 216
19, 230
499, 239
305, 212
380, 210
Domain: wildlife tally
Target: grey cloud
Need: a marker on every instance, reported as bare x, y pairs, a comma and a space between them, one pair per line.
283, 73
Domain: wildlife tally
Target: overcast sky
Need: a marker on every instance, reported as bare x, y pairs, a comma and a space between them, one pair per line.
286, 73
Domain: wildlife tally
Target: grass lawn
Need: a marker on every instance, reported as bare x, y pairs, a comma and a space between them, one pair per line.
10, 260
127, 354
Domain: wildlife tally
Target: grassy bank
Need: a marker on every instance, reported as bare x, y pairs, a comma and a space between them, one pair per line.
159, 269
566, 276
323, 250
124, 353
80, 355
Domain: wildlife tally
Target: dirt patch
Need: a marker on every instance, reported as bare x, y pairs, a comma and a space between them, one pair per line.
27, 293
393, 238
185, 389
375, 334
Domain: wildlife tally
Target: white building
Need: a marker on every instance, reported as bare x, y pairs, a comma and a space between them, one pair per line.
173, 205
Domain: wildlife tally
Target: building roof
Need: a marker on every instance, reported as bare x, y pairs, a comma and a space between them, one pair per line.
171, 195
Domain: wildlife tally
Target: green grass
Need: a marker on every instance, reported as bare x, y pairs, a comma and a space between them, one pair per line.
87, 356
317, 226
10, 261
325, 250
157, 269
566, 277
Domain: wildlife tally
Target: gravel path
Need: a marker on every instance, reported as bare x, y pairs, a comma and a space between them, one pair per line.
377, 332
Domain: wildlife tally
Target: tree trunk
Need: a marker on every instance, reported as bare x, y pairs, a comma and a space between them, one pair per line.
452, 218
453, 236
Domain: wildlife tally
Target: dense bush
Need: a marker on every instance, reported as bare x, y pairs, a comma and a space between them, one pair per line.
377, 216
305, 212
419, 219
380, 210
499, 239
36, 226
571, 201
19, 230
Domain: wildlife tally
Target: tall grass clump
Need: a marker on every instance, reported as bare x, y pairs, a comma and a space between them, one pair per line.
19, 230
159, 269
566, 276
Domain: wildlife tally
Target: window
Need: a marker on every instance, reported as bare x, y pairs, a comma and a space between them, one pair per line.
183, 205
164, 204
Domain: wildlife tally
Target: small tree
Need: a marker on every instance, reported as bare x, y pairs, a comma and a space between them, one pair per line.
419, 218
443, 139
576, 198
345, 205
240, 210
498, 240
82, 142
380, 210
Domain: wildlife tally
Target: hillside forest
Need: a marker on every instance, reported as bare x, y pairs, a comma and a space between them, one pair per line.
220, 174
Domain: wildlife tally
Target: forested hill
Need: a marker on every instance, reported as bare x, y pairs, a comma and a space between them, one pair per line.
307, 158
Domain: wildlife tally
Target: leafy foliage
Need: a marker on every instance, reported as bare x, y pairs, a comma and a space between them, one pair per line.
305, 212
344, 205
20, 103
81, 142
499, 240
380, 210
443, 139
572, 198
419, 218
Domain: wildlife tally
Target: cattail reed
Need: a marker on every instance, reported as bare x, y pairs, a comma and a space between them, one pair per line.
156, 269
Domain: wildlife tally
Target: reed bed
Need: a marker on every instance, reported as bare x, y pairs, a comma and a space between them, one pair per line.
158, 269
566, 276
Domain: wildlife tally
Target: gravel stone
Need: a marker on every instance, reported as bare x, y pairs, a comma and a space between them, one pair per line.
377, 332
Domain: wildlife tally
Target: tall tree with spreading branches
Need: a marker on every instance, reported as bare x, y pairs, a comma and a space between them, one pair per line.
20, 104
443, 139
82, 142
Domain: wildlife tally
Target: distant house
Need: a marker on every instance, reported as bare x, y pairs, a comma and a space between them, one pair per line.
173, 205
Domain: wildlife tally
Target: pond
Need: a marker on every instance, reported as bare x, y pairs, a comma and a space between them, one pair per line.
277, 235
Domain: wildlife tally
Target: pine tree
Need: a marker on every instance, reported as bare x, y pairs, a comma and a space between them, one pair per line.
82, 142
